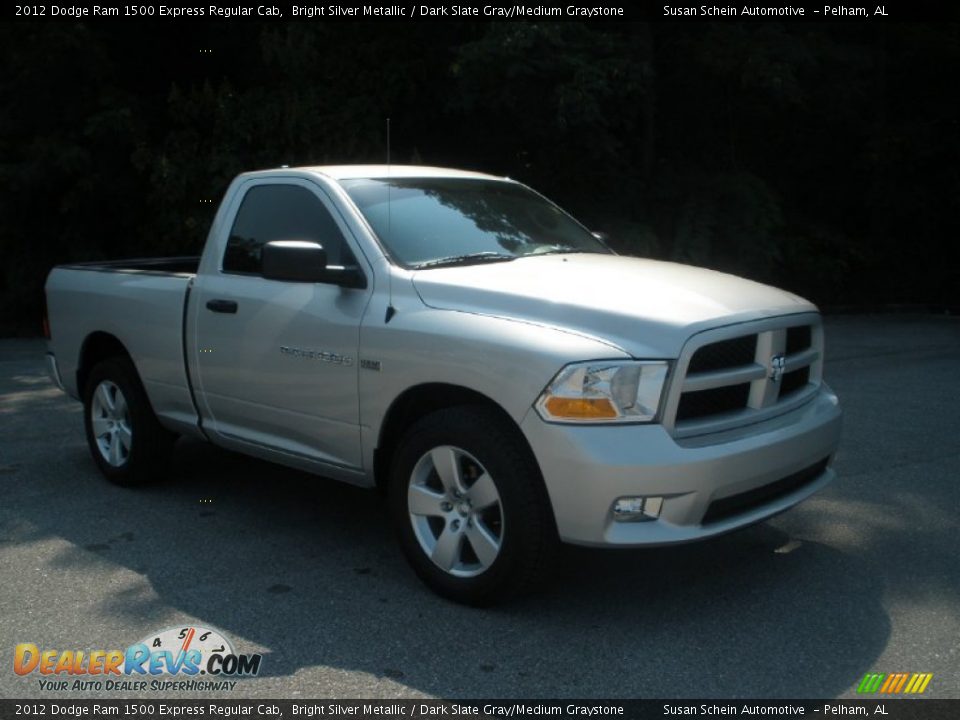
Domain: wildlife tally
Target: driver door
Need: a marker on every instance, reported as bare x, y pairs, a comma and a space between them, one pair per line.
276, 361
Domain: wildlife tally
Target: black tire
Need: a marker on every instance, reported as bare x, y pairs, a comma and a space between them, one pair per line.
145, 455
520, 523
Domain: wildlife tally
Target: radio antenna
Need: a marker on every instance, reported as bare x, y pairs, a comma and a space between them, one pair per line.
390, 309
388, 181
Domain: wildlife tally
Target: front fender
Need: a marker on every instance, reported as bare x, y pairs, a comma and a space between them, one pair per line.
508, 361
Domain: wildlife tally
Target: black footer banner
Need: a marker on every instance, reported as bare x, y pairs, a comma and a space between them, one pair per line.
879, 709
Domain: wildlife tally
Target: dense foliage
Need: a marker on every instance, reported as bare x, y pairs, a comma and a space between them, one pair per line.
822, 157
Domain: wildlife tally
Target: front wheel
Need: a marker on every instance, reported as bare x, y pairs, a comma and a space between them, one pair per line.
470, 507
125, 438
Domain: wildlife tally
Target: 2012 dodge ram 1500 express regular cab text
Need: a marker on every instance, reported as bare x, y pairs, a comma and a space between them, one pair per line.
460, 341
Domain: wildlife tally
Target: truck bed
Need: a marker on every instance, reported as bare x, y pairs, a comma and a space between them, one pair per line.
141, 304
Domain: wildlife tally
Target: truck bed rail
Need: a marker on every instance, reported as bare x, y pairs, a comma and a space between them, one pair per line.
184, 265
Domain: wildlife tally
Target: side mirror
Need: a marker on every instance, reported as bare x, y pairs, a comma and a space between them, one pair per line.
296, 260
305, 261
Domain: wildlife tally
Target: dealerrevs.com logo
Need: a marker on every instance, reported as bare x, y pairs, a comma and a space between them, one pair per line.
184, 653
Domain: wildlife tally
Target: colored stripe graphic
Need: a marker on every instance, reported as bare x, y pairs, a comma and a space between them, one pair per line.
901, 682
871, 682
894, 683
919, 683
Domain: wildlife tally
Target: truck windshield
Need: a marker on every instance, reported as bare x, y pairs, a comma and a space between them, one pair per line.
432, 222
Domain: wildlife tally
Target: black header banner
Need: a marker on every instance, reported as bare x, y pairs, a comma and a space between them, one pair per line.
876, 11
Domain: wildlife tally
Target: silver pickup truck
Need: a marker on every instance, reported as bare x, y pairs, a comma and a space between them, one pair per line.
461, 342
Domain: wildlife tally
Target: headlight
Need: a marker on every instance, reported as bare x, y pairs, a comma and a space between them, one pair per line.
605, 392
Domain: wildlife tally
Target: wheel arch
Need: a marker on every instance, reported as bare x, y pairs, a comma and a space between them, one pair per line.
97, 347
417, 402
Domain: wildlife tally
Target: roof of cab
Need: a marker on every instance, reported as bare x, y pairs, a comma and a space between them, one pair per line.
352, 172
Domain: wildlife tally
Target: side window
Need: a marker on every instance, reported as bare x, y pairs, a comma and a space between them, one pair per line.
281, 212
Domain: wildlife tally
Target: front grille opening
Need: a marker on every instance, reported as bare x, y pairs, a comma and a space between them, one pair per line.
799, 338
724, 354
703, 403
744, 502
794, 381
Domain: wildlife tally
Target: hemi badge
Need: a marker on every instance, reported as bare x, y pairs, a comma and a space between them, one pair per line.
370, 364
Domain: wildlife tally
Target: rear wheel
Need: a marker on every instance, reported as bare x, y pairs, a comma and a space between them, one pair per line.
125, 438
470, 508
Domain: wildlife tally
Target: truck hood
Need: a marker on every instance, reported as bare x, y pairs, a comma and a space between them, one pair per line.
648, 308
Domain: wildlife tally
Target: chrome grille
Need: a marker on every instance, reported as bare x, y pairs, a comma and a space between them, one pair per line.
798, 338
744, 374
794, 382
715, 401
724, 354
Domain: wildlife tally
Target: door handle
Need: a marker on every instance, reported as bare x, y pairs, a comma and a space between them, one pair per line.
222, 306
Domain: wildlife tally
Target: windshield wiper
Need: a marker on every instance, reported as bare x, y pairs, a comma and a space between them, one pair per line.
467, 259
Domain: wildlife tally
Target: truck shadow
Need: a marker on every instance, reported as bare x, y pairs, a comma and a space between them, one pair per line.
306, 571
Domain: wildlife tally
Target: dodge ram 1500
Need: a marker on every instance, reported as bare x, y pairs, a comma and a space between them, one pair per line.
461, 342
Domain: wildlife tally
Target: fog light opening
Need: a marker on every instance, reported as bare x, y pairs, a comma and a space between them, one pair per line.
637, 509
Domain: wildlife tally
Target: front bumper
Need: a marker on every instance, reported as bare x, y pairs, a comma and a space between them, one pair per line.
759, 470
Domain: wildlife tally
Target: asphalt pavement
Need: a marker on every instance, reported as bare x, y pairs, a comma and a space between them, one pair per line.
863, 577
